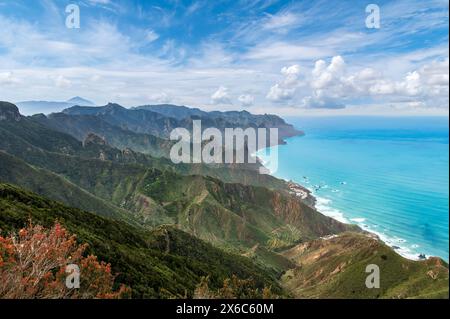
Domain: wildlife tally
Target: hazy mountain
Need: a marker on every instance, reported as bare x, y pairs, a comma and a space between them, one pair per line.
160, 120
33, 107
237, 118
80, 101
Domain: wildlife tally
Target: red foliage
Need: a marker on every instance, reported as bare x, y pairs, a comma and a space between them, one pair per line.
33, 265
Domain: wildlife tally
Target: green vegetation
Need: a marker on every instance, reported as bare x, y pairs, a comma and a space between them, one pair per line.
335, 268
165, 262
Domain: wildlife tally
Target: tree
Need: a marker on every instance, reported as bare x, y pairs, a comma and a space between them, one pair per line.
33, 265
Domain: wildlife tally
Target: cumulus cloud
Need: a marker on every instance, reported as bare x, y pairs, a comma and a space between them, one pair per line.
431, 80
325, 76
285, 90
427, 86
291, 75
328, 85
277, 93
162, 97
246, 99
332, 85
427, 82
221, 96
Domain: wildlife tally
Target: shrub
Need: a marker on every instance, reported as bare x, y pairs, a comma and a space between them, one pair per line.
33, 265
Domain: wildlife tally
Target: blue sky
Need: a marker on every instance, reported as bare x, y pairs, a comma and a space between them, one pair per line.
284, 57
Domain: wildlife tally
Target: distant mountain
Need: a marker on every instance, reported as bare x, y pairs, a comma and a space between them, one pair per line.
80, 101
232, 118
160, 120
33, 107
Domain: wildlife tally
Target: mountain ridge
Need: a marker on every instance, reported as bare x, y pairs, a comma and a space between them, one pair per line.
161, 120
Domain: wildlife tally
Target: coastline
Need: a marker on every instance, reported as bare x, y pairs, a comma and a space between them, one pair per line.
322, 205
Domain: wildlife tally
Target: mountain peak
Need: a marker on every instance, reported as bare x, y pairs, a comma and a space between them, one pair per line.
80, 101
9, 112
113, 106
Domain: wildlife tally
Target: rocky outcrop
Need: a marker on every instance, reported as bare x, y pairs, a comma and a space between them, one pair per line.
9, 112
92, 138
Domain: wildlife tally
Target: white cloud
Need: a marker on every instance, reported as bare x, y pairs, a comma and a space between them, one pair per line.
282, 20
278, 94
426, 83
283, 51
324, 76
411, 85
151, 36
382, 87
8, 78
162, 97
99, 1
62, 82
194, 7
333, 85
246, 99
221, 96
285, 89
291, 74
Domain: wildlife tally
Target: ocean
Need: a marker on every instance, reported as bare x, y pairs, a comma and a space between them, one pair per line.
389, 175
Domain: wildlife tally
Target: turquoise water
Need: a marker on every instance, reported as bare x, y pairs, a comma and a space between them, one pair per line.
388, 175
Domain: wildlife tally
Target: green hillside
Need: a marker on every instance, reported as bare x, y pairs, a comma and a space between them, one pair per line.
335, 268
165, 262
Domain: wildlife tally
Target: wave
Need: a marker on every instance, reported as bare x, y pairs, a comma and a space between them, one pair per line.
358, 220
323, 205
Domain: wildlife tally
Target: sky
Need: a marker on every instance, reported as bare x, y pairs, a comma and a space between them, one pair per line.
263, 56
